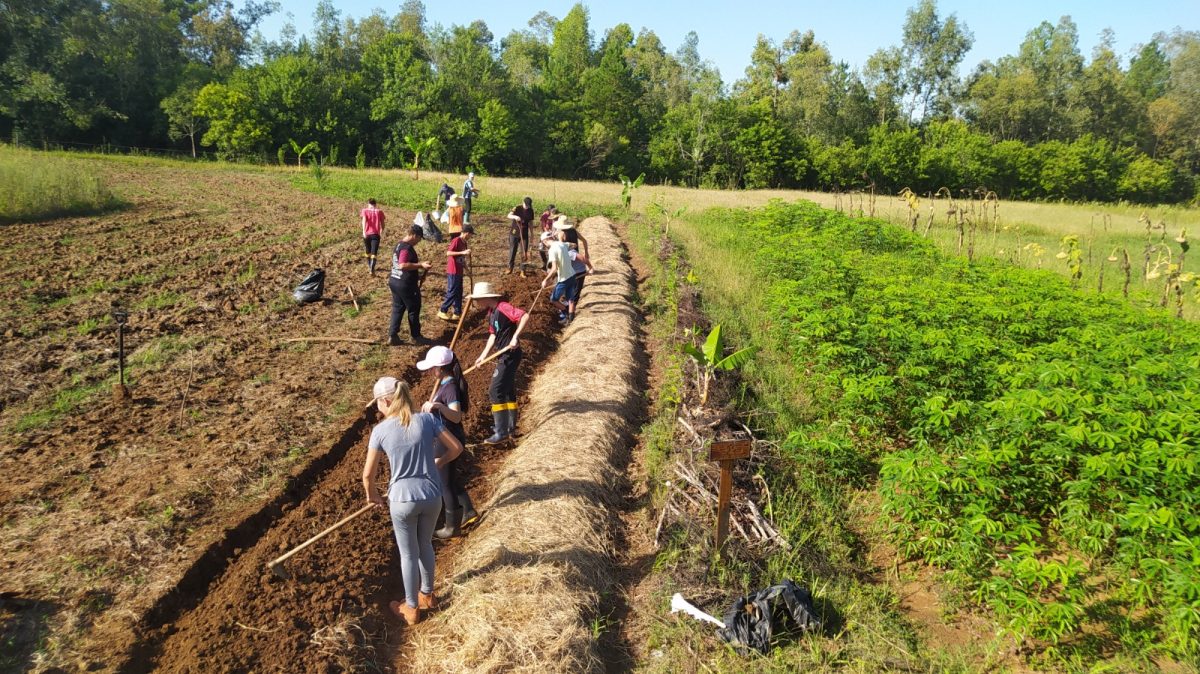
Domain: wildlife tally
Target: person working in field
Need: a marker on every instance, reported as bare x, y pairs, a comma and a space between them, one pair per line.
450, 403
414, 493
580, 262
372, 230
505, 323
405, 284
454, 215
559, 268
456, 261
443, 196
469, 192
520, 219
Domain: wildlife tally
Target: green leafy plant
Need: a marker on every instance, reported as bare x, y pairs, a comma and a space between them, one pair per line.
711, 357
360, 158
418, 148
627, 188
300, 151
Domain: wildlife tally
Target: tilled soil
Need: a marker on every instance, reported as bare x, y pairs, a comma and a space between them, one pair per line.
118, 517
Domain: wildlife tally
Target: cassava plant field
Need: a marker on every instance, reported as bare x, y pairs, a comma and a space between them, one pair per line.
1031, 441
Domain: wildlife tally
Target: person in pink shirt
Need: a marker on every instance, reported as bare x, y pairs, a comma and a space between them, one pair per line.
456, 256
372, 230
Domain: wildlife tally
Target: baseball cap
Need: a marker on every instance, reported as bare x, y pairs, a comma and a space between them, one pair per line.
438, 356
385, 387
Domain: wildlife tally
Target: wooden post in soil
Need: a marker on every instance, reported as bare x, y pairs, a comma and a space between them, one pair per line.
726, 453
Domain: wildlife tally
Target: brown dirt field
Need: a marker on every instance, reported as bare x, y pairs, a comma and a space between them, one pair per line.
117, 517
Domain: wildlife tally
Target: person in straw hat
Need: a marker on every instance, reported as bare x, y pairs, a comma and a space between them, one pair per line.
457, 254
505, 323
580, 262
454, 211
450, 403
414, 493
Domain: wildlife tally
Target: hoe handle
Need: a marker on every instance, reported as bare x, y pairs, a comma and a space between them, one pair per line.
282, 558
483, 362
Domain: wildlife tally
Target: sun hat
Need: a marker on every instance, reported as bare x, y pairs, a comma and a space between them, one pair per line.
483, 289
438, 356
561, 222
385, 387
454, 201
547, 235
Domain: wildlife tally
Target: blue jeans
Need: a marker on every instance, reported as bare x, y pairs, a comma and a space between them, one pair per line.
454, 292
413, 523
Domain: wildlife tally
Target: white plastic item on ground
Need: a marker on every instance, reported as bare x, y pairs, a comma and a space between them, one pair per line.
678, 604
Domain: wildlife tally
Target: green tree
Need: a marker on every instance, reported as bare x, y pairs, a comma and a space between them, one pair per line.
234, 124
932, 49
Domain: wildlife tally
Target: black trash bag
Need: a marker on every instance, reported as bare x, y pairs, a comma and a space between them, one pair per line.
429, 230
311, 288
779, 609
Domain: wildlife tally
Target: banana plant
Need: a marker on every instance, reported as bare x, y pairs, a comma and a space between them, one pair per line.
418, 148
711, 358
628, 186
301, 151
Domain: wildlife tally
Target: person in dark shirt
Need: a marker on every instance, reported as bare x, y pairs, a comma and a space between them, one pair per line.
521, 218
450, 403
505, 323
405, 284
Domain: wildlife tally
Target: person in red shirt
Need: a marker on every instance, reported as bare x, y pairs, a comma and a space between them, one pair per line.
451, 307
505, 323
372, 230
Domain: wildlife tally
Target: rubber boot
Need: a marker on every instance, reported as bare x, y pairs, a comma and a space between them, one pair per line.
450, 528
511, 412
467, 509
371, 263
500, 419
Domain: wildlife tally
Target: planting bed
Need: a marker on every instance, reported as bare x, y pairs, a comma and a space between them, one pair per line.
135, 532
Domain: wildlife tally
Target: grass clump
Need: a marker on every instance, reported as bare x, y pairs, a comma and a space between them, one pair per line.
37, 186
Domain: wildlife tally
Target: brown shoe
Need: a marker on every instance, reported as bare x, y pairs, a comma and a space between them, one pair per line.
409, 614
426, 602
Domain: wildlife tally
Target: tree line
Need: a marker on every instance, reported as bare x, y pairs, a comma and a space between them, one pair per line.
551, 100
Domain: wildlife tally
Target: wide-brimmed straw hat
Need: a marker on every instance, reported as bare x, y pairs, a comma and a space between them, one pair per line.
454, 202
438, 356
483, 289
561, 222
386, 386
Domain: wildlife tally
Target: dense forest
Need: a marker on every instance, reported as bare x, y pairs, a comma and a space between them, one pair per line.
553, 100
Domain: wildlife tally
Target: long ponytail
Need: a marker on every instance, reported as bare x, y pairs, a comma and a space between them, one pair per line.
402, 405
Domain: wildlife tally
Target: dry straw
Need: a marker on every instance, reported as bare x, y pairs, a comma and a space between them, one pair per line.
526, 585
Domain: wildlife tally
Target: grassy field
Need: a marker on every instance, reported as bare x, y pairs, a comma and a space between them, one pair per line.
40, 186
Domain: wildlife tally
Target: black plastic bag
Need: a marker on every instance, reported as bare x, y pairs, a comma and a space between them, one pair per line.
779, 609
311, 288
429, 230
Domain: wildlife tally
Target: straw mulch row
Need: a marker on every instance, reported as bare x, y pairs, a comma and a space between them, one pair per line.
523, 590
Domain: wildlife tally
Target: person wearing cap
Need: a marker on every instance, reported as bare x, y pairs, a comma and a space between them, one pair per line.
405, 284
559, 255
454, 215
521, 217
468, 192
456, 254
372, 230
580, 261
414, 493
505, 323
443, 196
450, 403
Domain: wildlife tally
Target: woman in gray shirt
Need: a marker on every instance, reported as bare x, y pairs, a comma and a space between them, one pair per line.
414, 494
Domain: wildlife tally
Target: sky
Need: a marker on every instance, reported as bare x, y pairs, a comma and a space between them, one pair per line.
851, 29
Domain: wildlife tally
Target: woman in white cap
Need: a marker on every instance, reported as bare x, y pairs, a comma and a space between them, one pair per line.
414, 495
505, 323
450, 402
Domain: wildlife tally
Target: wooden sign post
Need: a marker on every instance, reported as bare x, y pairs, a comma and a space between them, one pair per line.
726, 453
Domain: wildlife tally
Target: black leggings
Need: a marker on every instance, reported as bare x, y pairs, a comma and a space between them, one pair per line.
454, 483
504, 379
405, 298
515, 240
371, 243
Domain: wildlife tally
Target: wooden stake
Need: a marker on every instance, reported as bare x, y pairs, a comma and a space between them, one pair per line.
352, 297
725, 453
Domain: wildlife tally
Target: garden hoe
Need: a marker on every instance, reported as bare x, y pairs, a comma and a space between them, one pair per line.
276, 565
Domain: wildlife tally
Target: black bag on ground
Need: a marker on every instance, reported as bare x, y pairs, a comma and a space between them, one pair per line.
754, 620
429, 230
311, 288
